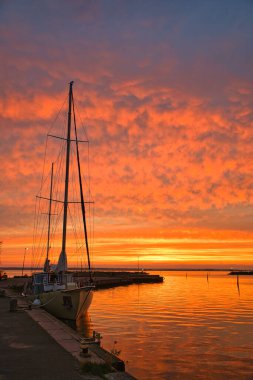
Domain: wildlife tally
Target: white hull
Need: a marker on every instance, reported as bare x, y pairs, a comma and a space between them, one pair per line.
67, 304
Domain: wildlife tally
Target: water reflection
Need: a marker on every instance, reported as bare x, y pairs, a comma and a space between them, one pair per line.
238, 285
179, 329
84, 325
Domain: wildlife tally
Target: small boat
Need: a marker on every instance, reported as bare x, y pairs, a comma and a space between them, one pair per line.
57, 290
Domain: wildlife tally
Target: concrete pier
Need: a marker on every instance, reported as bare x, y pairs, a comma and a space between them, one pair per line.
29, 352
36, 345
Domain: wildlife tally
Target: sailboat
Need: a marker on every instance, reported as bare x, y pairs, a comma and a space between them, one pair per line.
56, 290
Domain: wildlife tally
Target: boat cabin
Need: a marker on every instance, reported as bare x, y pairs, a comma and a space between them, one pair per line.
51, 281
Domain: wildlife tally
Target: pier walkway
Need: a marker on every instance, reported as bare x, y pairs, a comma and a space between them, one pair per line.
36, 345
28, 352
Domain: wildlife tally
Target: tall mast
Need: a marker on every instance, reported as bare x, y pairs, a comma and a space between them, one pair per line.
62, 262
66, 194
81, 194
46, 266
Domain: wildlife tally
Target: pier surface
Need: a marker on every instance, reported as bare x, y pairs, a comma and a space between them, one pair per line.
36, 345
28, 352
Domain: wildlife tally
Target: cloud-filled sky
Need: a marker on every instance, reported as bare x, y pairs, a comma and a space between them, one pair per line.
165, 90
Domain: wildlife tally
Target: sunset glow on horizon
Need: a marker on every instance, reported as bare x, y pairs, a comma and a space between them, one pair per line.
165, 92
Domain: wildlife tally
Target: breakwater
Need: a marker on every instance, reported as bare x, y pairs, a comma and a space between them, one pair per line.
241, 273
104, 279
101, 279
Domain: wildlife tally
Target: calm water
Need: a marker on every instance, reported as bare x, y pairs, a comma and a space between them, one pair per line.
189, 327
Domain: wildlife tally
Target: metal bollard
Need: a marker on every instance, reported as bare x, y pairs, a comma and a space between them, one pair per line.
13, 304
84, 350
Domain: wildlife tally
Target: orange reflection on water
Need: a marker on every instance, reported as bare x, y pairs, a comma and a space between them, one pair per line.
83, 325
193, 326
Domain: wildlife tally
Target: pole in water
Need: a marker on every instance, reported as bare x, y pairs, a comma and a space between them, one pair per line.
238, 284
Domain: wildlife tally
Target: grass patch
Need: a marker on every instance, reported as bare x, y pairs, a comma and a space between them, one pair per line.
96, 369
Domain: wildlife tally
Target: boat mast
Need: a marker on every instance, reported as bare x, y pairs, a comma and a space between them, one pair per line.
62, 262
66, 194
46, 266
81, 194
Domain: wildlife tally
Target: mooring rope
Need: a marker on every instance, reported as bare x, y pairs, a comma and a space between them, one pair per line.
83, 303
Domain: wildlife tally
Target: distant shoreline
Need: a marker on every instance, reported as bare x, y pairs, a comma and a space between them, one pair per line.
138, 269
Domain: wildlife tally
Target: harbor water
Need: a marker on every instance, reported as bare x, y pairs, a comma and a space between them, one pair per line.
195, 325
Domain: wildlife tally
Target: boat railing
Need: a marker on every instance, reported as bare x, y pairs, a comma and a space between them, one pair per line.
47, 278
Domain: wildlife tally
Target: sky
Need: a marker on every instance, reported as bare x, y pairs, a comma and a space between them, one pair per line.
165, 91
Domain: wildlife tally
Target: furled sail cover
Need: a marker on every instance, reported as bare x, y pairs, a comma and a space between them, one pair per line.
62, 263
